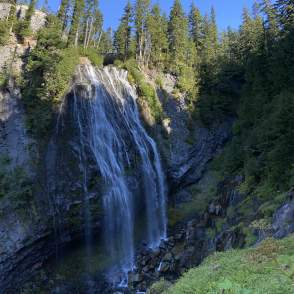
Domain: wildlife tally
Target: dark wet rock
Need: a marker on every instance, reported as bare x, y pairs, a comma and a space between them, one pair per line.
283, 220
215, 209
168, 257
135, 278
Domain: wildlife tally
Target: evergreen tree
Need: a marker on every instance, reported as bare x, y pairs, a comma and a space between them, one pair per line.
210, 38
12, 14
270, 23
97, 25
178, 37
251, 34
122, 38
157, 27
142, 8
213, 33
195, 21
31, 10
92, 23
106, 42
24, 29
63, 12
285, 10
76, 23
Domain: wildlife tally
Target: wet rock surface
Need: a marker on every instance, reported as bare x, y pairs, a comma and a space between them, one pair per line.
283, 220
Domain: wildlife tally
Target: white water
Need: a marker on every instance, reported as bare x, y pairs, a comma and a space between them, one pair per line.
110, 127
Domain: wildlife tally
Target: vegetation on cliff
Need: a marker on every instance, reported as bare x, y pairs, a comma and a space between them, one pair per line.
268, 268
15, 184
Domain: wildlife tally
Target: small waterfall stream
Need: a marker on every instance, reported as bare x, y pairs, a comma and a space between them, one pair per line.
109, 128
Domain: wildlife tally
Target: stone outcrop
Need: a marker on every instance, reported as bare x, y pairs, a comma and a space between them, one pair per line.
283, 220
38, 19
14, 140
13, 54
186, 145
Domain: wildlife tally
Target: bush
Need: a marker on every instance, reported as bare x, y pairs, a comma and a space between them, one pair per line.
159, 287
92, 54
4, 78
23, 29
187, 83
14, 183
49, 73
4, 32
145, 90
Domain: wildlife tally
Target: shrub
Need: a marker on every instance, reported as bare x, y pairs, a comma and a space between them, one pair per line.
159, 287
14, 184
92, 54
4, 32
145, 90
49, 73
23, 29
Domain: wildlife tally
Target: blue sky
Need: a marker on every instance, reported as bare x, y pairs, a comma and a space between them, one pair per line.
228, 12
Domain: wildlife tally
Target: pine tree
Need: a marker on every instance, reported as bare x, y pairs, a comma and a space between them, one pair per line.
251, 34
157, 27
209, 38
106, 42
270, 23
122, 38
12, 14
286, 13
24, 29
213, 31
97, 26
63, 12
76, 23
142, 8
178, 36
31, 10
208, 52
92, 23
195, 21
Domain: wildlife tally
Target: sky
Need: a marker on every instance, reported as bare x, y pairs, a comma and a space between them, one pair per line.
228, 12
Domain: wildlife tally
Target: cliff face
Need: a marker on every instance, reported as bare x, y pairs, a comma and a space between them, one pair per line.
14, 54
38, 19
14, 140
52, 214
44, 209
42, 206
187, 146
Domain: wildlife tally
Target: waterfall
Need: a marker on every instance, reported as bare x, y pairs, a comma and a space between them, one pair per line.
109, 129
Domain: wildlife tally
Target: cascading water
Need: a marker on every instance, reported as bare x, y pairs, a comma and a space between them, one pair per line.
110, 129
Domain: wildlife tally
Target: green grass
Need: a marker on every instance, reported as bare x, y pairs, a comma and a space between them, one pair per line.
268, 268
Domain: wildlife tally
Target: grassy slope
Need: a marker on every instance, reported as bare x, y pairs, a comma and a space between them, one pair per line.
268, 268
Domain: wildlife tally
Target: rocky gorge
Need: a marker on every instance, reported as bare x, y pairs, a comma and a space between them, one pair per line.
52, 223
171, 204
